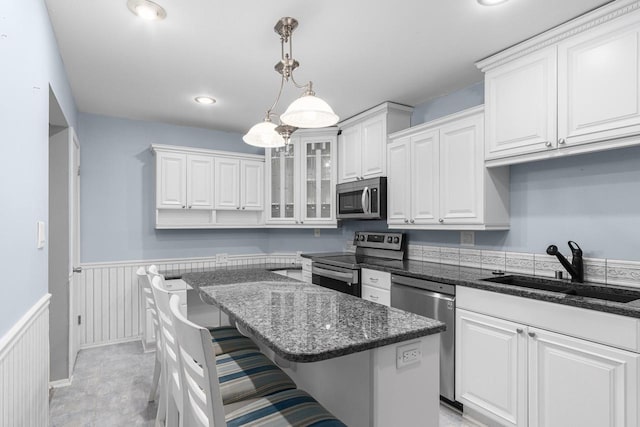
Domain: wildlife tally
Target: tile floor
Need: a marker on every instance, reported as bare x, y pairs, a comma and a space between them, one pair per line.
111, 385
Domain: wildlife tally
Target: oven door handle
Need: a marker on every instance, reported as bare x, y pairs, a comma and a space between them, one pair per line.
365, 196
344, 277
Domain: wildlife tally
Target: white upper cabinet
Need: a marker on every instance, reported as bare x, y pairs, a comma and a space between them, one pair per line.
199, 182
301, 180
227, 183
363, 140
573, 89
521, 106
198, 188
599, 83
171, 189
239, 184
437, 178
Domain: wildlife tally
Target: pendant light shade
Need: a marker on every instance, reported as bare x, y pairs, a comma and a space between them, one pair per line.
264, 135
309, 111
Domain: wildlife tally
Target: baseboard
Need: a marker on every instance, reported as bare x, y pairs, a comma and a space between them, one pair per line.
24, 369
116, 341
61, 383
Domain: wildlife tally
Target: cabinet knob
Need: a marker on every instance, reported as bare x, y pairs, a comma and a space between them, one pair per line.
297, 222
548, 143
183, 206
412, 221
237, 207
519, 330
562, 141
406, 221
441, 220
532, 334
243, 207
301, 222
190, 206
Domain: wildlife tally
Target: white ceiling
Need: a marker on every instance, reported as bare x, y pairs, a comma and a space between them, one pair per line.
358, 53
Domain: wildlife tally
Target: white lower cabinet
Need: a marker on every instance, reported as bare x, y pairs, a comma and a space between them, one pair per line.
520, 375
306, 270
376, 286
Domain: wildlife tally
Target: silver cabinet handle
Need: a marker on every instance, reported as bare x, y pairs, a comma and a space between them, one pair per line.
183, 206
77, 269
406, 221
190, 206
548, 143
562, 141
373, 297
373, 279
532, 334
441, 220
412, 221
519, 330
237, 207
301, 222
243, 207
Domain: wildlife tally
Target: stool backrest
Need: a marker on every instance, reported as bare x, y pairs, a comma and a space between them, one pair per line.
201, 392
169, 340
147, 294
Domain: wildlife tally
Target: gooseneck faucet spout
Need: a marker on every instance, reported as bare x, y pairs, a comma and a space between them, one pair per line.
576, 268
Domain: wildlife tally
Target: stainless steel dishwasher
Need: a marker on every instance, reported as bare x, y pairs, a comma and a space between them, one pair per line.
437, 301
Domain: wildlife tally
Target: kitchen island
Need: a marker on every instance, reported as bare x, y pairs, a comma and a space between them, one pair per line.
369, 364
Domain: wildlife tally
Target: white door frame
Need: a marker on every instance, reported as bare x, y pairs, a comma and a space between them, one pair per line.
74, 246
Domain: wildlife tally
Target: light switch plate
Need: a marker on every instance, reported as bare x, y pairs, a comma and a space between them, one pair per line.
41, 235
467, 238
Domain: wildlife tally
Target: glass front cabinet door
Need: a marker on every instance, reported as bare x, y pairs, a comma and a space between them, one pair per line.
301, 180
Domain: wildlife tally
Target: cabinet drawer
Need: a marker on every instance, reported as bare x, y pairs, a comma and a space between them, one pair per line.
380, 279
374, 294
306, 264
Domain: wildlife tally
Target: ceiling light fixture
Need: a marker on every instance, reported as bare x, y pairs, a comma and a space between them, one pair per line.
205, 100
308, 111
491, 2
147, 10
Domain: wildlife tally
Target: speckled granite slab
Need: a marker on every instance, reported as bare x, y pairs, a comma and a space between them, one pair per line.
472, 277
177, 274
308, 323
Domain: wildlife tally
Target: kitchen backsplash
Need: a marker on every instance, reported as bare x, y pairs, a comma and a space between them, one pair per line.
606, 271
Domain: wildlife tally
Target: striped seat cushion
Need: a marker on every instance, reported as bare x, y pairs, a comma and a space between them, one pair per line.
287, 408
248, 374
226, 339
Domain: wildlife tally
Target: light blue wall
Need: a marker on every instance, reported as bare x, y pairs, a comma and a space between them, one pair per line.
462, 99
118, 193
30, 63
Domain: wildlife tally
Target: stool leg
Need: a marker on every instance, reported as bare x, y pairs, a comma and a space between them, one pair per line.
156, 379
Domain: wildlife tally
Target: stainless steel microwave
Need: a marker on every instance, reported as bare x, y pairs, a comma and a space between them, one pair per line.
364, 199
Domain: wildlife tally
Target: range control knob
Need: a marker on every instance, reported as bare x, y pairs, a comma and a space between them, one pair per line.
362, 237
389, 239
396, 240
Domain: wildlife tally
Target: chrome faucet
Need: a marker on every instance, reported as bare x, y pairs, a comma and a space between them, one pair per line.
576, 268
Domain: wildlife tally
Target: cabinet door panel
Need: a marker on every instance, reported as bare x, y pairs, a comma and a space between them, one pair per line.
425, 181
580, 383
374, 147
521, 106
349, 143
398, 181
227, 183
461, 171
599, 84
171, 174
199, 182
491, 371
282, 184
318, 184
252, 184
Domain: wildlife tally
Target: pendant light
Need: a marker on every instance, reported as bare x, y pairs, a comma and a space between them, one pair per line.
308, 111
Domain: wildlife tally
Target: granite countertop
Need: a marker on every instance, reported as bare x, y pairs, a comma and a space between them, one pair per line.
177, 274
306, 323
472, 277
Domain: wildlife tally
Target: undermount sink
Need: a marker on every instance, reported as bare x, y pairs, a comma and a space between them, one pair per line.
603, 293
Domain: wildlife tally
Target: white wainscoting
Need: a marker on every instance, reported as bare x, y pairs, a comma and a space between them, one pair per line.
24, 369
109, 297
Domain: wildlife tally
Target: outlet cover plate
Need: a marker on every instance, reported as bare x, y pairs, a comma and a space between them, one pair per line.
408, 354
221, 258
467, 238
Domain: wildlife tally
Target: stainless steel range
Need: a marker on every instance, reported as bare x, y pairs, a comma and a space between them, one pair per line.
341, 271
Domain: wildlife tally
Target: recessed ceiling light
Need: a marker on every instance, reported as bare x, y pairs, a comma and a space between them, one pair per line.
205, 100
491, 2
147, 9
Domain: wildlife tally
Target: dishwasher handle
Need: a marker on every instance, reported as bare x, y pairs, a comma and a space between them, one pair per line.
427, 285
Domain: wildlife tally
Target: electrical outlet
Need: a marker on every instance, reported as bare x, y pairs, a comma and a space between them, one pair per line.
316, 232
221, 258
467, 238
408, 355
